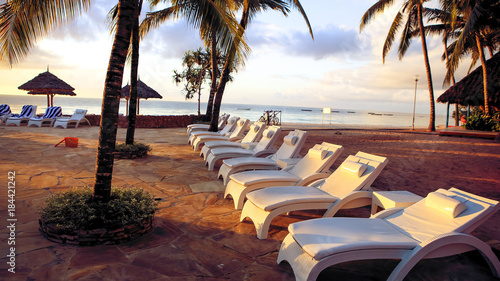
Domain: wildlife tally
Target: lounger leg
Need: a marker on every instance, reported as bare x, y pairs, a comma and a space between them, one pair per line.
420, 252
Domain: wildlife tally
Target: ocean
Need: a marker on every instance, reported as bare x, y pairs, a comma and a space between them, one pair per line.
289, 114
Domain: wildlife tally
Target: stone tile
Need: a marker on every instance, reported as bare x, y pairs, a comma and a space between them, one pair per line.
213, 256
209, 186
43, 181
170, 261
97, 256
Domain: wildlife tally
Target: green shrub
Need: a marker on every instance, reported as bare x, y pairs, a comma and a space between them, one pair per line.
136, 149
482, 123
75, 209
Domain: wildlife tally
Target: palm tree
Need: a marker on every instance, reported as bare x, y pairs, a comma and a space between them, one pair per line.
249, 9
481, 18
220, 33
133, 55
443, 27
412, 12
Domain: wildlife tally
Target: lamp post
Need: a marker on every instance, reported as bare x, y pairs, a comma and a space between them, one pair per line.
416, 77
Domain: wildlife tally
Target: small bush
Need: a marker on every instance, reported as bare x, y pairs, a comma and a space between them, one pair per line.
132, 150
482, 123
75, 209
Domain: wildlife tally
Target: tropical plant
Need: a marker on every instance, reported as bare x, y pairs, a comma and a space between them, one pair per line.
197, 70
249, 9
481, 21
444, 28
412, 12
75, 210
133, 55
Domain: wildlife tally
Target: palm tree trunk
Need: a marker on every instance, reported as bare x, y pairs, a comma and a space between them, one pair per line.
432, 119
133, 77
215, 70
485, 76
452, 78
111, 101
227, 70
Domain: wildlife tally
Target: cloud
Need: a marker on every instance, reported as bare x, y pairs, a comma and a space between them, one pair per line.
329, 41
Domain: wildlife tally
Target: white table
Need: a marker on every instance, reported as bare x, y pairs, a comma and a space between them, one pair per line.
392, 199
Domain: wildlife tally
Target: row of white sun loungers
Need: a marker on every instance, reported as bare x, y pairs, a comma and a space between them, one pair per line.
51, 118
265, 187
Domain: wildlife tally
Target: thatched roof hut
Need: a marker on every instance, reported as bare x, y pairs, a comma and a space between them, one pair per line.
469, 90
143, 92
47, 84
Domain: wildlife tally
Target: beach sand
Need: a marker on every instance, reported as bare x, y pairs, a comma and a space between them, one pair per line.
197, 233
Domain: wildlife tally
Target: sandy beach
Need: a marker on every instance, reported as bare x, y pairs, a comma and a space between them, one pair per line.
197, 234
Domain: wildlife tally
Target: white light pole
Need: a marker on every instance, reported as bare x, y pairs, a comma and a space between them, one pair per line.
416, 77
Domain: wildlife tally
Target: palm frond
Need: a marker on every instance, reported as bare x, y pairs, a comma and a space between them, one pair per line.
24, 22
409, 29
396, 24
377, 8
296, 4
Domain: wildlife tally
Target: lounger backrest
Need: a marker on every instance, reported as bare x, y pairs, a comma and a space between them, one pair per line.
222, 121
355, 173
423, 220
79, 114
254, 133
269, 137
4, 109
27, 111
240, 128
231, 124
317, 160
52, 112
292, 144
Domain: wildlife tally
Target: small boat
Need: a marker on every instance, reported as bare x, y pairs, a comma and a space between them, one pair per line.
351, 112
306, 109
388, 114
240, 108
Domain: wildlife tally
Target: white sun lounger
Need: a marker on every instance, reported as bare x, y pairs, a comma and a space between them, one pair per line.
290, 148
204, 127
349, 186
314, 166
249, 141
236, 134
4, 113
75, 120
437, 226
27, 112
48, 118
228, 129
262, 149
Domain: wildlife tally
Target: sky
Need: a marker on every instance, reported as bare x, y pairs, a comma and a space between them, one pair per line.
341, 68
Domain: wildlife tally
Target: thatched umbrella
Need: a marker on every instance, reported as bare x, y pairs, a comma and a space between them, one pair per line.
469, 90
47, 84
143, 92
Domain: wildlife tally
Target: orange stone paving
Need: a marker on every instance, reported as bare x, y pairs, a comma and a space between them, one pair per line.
197, 234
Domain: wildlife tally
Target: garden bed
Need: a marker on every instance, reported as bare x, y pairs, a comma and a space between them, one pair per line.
100, 236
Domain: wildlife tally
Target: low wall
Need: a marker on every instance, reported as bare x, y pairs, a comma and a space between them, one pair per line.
150, 121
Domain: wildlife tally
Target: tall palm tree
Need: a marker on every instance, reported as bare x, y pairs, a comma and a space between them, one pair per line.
444, 28
249, 10
133, 55
111, 101
412, 12
218, 33
482, 18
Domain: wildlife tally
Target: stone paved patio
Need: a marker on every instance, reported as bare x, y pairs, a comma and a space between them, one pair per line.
197, 233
